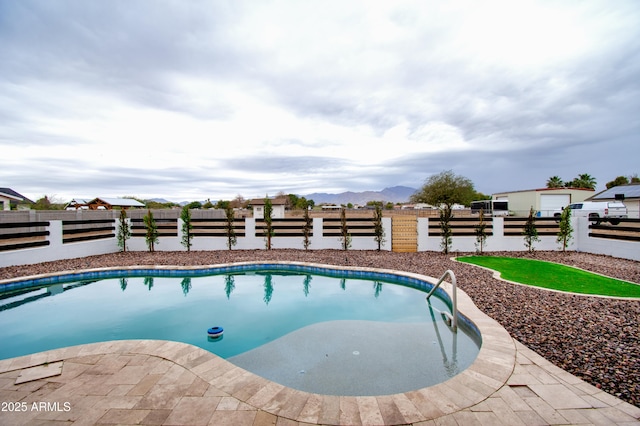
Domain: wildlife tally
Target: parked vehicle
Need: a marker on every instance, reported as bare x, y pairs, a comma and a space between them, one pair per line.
491, 207
598, 211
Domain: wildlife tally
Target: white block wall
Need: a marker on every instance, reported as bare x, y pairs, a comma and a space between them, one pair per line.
497, 242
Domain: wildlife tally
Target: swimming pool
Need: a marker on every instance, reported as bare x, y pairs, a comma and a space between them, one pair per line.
318, 329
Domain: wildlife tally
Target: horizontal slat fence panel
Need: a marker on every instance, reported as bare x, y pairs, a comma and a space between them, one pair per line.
282, 227
166, 227
358, 227
461, 226
216, 227
514, 226
21, 235
74, 231
627, 230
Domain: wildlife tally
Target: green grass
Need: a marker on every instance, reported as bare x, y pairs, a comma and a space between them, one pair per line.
554, 276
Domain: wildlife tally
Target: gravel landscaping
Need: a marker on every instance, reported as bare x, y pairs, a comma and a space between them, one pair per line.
595, 338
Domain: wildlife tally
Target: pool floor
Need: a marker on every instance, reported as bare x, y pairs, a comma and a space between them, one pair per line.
354, 358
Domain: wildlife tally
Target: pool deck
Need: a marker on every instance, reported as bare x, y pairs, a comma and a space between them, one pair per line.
169, 383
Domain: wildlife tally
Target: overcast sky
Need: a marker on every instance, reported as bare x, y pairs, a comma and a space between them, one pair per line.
189, 100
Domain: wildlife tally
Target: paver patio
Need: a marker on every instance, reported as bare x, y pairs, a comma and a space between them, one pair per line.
170, 383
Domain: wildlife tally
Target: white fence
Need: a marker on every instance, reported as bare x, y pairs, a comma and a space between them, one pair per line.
53, 246
581, 241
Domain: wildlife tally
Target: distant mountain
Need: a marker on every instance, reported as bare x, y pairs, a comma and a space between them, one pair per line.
160, 200
180, 203
184, 203
395, 194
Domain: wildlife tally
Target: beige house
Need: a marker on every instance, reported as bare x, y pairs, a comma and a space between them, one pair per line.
545, 201
278, 205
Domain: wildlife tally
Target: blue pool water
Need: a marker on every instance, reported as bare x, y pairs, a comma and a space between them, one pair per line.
258, 310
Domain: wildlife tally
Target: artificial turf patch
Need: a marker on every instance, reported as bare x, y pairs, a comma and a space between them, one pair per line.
554, 276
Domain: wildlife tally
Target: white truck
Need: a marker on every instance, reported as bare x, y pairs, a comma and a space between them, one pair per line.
598, 211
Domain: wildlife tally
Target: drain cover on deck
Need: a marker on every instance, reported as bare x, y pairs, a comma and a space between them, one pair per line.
40, 372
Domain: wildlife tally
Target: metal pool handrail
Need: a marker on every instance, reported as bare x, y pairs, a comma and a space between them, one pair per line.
454, 299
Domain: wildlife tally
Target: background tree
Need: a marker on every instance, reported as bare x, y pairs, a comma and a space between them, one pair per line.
478, 196
307, 229
443, 191
239, 202
124, 230
378, 229
230, 229
268, 229
530, 231
292, 201
153, 204
298, 203
555, 182
566, 230
345, 237
584, 180
445, 188
481, 232
207, 204
620, 180
222, 204
48, 203
151, 236
185, 215
623, 180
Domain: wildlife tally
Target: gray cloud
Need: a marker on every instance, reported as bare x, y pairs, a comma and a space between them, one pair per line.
338, 76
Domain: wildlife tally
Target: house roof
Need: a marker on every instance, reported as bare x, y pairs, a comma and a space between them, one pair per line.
118, 202
629, 191
78, 201
11, 194
546, 189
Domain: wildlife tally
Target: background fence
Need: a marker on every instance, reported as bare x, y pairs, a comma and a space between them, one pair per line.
33, 237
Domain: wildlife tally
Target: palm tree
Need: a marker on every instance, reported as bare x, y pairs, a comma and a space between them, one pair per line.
555, 182
584, 180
